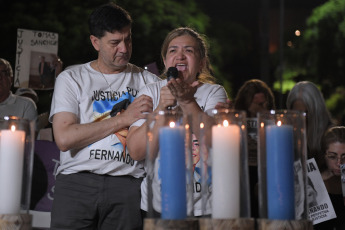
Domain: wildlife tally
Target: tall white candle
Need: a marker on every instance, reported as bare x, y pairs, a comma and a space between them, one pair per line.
11, 170
225, 171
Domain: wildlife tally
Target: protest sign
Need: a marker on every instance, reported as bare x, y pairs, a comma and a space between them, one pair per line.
36, 59
320, 207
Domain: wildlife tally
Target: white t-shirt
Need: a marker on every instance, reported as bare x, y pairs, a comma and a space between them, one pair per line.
85, 92
18, 106
207, 96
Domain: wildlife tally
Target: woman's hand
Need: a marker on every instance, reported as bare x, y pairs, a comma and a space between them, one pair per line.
182, 91
227, 105
166, 99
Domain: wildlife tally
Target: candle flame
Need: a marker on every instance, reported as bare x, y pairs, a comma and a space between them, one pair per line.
172, 124
262, 124
13, 128
279, 123
202, 125
225, 123
187, 126
149, 136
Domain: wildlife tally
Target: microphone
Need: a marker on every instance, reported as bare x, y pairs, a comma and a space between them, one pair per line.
171, 73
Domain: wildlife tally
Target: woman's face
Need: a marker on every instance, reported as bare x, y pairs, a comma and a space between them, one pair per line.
259, 104
299, 106
334, 153
183, 54
195, 152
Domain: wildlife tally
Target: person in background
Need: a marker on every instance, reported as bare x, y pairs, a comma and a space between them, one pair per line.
254, 96
193, 92
306, 97
56, 66
333, 153
27, 92
98, 183
42, 124
11, 104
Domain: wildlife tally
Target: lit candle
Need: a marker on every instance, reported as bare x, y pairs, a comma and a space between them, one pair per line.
280, 175
225, 171
173, 172
11, 169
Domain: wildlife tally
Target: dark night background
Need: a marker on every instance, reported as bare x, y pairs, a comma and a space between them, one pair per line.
248, 38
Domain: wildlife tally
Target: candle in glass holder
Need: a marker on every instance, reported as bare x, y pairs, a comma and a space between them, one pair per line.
11, 169
225, 171
173, 172
280, 174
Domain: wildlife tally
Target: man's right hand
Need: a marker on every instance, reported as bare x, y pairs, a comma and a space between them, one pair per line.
137, 109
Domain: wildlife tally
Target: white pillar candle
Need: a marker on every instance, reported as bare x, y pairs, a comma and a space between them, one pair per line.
225, 171
11, 170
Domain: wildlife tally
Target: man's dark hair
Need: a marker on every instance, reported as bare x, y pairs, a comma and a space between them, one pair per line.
108, 18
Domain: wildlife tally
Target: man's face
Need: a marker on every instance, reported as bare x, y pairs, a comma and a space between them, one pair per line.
5, 82
115, 49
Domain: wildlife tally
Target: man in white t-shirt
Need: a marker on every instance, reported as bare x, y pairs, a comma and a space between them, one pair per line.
98, 183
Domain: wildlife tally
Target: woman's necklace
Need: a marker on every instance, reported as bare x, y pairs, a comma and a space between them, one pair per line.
111, 90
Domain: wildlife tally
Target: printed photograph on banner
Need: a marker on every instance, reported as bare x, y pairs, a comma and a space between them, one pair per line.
36, 59
300, 198
320, 207
342, 168
43, 68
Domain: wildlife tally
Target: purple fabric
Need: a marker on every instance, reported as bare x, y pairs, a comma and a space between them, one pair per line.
47, 159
